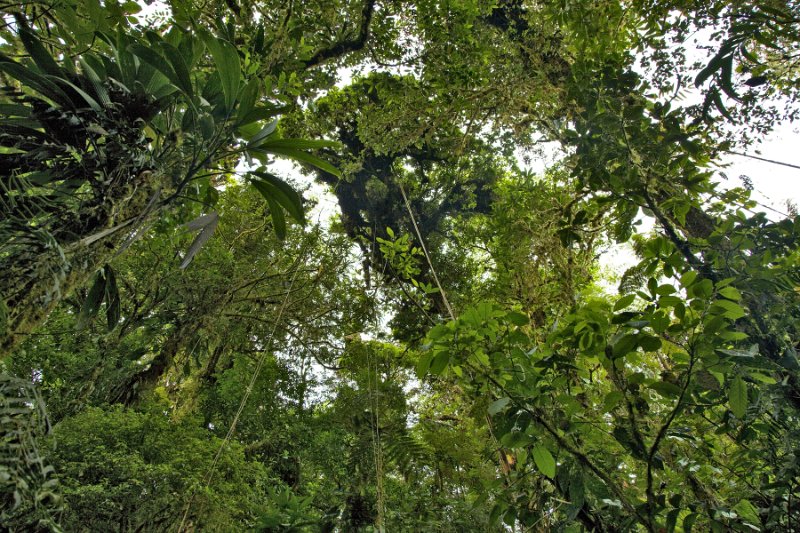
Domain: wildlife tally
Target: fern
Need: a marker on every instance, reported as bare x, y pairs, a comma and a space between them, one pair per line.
29, 496
405, 451
633, 278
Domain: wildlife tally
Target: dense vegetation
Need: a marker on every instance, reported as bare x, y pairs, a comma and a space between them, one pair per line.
189, 343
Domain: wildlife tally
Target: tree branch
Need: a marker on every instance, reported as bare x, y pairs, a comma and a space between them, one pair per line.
350, 45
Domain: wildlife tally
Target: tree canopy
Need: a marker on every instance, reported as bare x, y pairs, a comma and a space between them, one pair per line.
410, 330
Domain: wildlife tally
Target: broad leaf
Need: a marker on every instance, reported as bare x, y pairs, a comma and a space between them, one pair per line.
544, 461
498, 405
737, 397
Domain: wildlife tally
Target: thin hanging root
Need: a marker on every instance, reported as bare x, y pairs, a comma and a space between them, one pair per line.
427, 256
232, 429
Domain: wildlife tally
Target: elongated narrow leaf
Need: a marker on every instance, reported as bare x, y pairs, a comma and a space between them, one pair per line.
226, 60
112, 298
138, 227
278, 220
200, 222
184, 81
248, 99
96, 107
275, 200
9, 127
717, 100
91, 305
298, 155
289, 198
544, 461
301, 144
86, 241
39, 53
96, 82
36, 82
726, 78
15, 110
262, 113
158, 62
713, 66
261, 137
209, 224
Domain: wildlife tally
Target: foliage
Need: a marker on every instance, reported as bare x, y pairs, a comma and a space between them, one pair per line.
441, 353
143, 470
30, 492
113, 140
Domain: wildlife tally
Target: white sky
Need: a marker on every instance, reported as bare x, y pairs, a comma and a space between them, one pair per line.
773, 185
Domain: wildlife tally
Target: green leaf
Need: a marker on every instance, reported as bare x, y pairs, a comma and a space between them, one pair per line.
497, 513
272, 186
439, 362
649, 343
92, 103
438, 331
730, 293
747, 512
611, 400
39, 53
517, 318
301, 144
714, 65
248, 99
278, 220
688, 522
96, 82
665, 289
544, 461
624, 345
624, 302
184, 81
261, 113
298, 155
259, 138
157, 61
35, 81
226, 60
726, 78
423, 364
730, 310
672, 519
3, 317
15, 110
688, 278
666, 389
737, 397
91, 305
498, 405
112, 298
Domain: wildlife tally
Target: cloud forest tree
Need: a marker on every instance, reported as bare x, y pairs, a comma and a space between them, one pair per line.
440, 355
